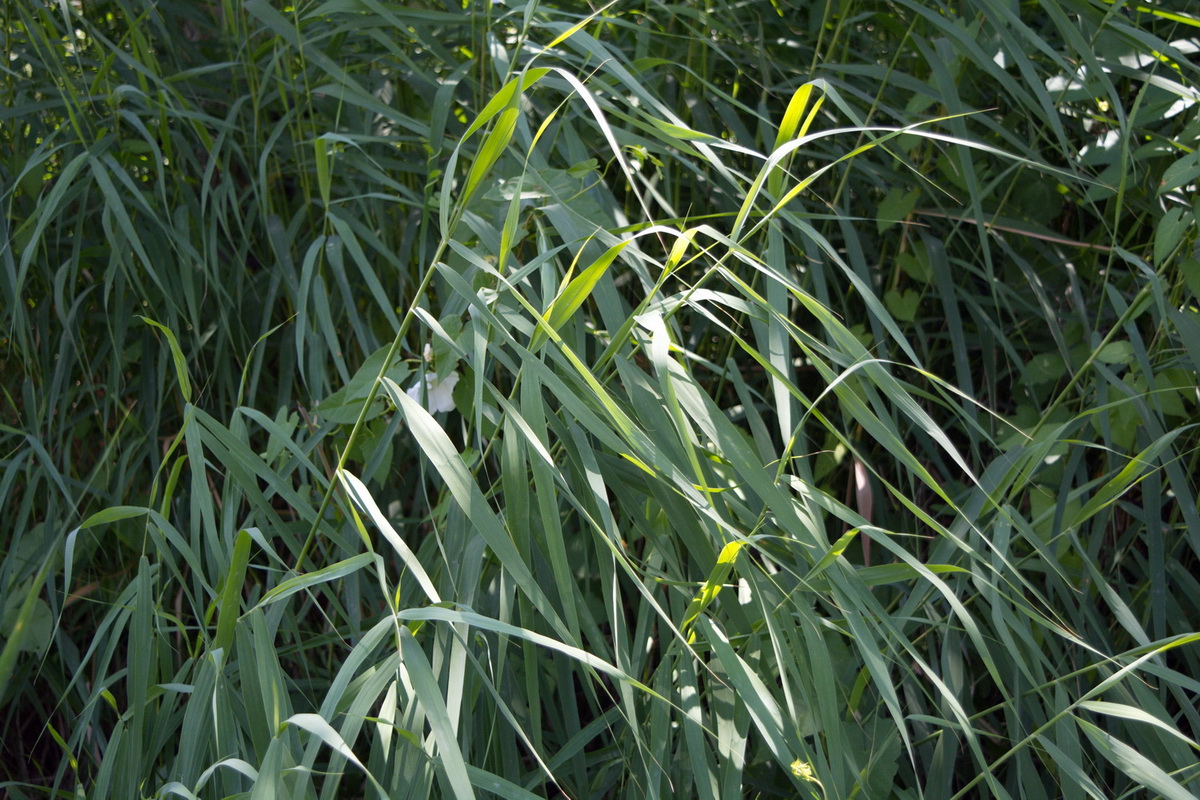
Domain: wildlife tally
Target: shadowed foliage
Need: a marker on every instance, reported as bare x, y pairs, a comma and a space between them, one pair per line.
507, 399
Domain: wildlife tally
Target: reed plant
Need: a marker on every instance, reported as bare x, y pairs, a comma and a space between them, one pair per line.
539, 399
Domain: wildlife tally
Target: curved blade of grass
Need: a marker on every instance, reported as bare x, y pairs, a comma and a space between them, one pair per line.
575, 293
308, 580
229, 607
1133, 763
429, 695
438, 448
181, 370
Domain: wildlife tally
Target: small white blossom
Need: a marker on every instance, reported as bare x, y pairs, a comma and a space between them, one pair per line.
438, 392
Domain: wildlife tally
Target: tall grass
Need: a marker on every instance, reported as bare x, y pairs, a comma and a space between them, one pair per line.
525, 400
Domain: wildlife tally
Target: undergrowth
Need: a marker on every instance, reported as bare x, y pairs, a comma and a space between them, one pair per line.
525, 400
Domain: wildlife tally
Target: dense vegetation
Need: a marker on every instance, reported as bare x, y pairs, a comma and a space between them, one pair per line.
524, 399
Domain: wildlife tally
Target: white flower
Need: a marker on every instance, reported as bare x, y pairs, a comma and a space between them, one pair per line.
438, 392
